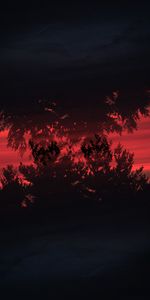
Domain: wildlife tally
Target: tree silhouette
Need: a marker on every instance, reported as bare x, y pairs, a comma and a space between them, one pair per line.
103, 174
127, 181
106, 175
115, 116
44, 155
107, 181
124, 161
12, 192
98, 153
52, 184
119, 116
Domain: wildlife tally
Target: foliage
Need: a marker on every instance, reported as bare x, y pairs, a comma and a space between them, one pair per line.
105, 175
43, 155
12, 192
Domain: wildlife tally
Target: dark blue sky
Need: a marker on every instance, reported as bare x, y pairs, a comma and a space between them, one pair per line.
75, 54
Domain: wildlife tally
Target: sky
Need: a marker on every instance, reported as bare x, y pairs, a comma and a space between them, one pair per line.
76, 55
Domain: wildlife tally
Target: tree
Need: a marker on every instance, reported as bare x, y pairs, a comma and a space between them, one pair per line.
109, 182
12, 190
44, 155
53, 179
98, 153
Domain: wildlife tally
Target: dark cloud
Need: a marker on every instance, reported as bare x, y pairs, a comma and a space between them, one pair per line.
75, 54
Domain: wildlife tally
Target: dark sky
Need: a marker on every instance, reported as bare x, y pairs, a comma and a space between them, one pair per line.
73, 53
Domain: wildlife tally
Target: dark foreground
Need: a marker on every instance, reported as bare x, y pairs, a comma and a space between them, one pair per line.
81, 255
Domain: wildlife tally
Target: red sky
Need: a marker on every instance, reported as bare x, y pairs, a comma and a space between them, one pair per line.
137, 142
7, 155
